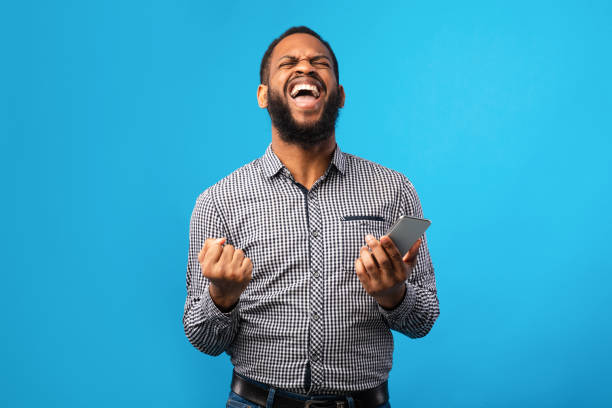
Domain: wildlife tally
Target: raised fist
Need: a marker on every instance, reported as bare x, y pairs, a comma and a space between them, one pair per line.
228, 270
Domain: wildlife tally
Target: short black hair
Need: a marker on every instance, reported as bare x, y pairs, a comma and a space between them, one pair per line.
264, 69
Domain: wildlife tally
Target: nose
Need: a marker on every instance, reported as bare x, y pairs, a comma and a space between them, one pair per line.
303, 66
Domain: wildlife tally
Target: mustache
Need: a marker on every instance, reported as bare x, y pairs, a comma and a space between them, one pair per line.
312, 75
303, 134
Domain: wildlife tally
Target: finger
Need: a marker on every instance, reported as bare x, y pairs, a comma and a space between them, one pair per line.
414, 250
392, 251
380, 255
370, 245
238, 257
203, 250
362, 273
207, 244
227, 254
213, 251
246, 264
369, 262
247, 268
212, 241
410, 258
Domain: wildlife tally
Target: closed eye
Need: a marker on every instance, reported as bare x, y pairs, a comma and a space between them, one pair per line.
320, 61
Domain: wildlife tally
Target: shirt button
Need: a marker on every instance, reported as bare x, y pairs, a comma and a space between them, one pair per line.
316, 274
315, 317
315, 233
314, 357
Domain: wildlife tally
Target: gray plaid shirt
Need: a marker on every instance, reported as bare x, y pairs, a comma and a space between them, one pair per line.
305, 323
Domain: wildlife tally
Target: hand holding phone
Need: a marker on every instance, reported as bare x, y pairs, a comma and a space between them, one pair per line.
381, 273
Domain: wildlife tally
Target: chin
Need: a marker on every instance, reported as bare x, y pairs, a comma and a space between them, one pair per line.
306, 118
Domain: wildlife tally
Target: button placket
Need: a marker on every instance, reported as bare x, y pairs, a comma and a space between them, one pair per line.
316, 288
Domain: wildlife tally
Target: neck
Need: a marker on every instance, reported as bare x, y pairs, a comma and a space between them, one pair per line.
306, 165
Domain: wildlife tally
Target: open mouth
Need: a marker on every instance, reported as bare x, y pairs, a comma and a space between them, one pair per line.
305, 93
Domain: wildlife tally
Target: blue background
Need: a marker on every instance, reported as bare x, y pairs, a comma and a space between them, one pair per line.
116, 115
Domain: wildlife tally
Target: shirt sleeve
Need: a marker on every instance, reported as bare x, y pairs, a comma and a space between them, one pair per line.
207, 328
418, 311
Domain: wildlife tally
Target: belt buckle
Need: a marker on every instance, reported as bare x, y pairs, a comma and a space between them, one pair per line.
324, 404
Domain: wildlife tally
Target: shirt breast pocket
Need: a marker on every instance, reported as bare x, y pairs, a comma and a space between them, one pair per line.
354, 229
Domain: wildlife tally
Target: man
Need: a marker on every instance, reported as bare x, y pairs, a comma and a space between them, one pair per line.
289, 271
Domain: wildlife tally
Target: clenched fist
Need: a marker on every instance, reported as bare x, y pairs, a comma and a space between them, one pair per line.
228, 270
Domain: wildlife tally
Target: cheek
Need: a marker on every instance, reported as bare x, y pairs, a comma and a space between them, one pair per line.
278, 82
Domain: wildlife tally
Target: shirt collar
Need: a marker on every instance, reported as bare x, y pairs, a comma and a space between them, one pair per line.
271, 164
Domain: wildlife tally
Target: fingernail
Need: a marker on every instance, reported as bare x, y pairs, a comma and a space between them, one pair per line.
219, 240
369, 237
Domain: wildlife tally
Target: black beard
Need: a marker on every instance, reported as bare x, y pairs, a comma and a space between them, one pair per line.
304, 135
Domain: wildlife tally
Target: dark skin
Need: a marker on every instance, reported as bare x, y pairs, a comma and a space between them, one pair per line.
381, 269
295, 56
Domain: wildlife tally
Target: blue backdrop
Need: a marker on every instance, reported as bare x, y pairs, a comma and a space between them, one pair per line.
115, 116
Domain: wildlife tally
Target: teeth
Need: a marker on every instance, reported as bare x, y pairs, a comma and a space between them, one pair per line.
299, 87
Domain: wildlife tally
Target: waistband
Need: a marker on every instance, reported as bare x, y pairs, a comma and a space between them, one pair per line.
259, 394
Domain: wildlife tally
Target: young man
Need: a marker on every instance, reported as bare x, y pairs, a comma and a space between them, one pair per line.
289, 271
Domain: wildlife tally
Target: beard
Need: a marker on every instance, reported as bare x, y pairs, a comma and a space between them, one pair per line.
308, 134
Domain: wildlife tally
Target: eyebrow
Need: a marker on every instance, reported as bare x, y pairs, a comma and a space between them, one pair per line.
318, 56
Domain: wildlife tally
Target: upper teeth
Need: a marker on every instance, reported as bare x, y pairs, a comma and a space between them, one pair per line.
299, 87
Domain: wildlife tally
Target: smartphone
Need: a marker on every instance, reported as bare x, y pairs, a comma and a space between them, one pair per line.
406, 230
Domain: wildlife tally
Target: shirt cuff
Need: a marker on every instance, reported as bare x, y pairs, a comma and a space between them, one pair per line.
210, 309
404, 308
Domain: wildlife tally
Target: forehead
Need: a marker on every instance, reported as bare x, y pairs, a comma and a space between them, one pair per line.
299, 44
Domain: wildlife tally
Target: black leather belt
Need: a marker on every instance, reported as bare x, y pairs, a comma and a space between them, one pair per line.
259, 395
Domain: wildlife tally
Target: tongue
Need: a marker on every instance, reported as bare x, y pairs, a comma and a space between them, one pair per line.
305, 101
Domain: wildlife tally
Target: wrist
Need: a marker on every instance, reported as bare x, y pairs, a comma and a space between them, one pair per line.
392, 299
223, 302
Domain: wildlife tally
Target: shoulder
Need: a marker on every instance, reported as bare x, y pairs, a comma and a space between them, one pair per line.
361, 167
384, 180
235, 183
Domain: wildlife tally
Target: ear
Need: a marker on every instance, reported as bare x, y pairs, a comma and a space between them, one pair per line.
342, 95
262, 96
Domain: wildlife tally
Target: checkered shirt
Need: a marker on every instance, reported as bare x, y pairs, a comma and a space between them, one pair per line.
304, 322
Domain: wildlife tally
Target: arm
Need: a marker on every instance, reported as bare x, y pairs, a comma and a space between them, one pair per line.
417, 312
403, 285
208, 329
